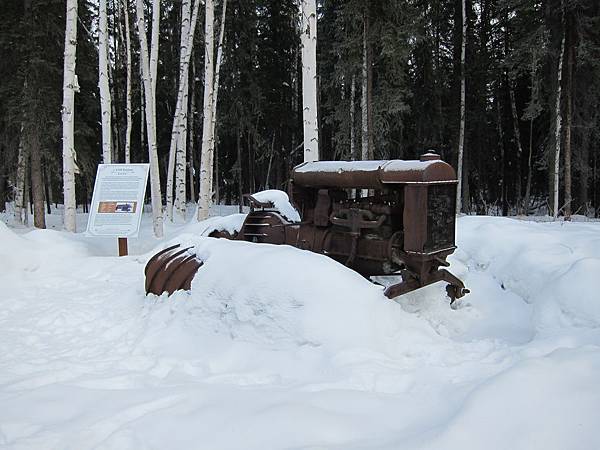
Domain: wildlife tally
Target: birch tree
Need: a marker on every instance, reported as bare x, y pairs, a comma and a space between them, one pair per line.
569, 120
128, 111
517, 134
20, 181
103, 83
352, 109
213, 122
154, 46
555, 186
68, 116
150, 106
177, 151
461, 133
181, 156
175, 141
364, 100
205, 188
210, 105
308, 38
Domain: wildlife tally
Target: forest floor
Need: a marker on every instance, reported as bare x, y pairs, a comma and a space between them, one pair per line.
277, 348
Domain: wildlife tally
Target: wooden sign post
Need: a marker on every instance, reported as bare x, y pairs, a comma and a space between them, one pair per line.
123, 247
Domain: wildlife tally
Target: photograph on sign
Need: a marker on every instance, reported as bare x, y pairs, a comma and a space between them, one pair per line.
118, 199
116, 207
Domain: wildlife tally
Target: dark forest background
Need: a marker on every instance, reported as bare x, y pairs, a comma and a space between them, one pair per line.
413, 46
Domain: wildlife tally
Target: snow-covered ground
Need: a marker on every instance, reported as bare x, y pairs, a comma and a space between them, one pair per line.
276, 348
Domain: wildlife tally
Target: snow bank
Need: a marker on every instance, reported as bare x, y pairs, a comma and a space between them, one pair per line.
281, 295
552, 266
550, 402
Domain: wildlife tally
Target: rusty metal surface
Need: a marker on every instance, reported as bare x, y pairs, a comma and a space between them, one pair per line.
373, 174
405, 226
170, 270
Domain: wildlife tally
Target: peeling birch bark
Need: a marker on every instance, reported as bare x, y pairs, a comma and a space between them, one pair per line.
68, 116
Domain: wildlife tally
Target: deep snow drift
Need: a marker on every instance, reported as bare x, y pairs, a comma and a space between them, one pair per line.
280, 348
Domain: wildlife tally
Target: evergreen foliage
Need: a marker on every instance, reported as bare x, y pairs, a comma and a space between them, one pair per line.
513, 49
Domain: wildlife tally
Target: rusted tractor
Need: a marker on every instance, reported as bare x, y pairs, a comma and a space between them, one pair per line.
379, 218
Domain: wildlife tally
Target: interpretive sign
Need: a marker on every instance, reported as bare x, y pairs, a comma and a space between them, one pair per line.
118, 200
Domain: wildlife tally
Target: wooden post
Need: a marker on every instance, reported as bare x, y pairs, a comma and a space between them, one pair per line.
123, 247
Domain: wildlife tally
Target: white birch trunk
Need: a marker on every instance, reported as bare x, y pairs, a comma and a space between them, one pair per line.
308, 37
364, 101
178, 147
555, 187
68, 116
26, 197
205, 197
157, 214
20, 182
103, 83
461, 133
176, 130
142, 109
128, 94
191, 137
181, 156
352, 109
154, 45
213, 112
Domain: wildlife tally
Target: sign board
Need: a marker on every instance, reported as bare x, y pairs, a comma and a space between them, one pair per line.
118, 200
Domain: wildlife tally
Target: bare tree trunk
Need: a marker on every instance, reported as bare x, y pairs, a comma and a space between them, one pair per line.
239, 169
529, 171
154, 47
353, 154
461, 133
180, 158
308, 38
190, 164
364, 105
128, 95
568, 182
177, 117
157, 214
584, 177
142, 112
371, 134
531, 119
517, 133
213, 151
26, 197
3, 178
37, 186
206, 166
503, 199
215, 181
192, 126
251, 165
47, 189
270, 161
20, 180
70, 86
555, 187
103, 83
594, 185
